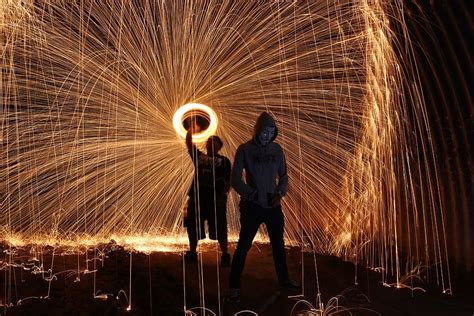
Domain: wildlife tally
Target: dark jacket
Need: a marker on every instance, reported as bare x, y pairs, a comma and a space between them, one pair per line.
263, 165
211, 175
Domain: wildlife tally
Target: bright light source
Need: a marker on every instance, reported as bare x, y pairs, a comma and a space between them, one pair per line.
189, 110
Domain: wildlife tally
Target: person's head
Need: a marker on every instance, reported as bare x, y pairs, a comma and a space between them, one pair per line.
265, 129
266, 135
213, 145
195, 124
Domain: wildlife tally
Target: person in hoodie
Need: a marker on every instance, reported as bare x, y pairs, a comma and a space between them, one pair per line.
207, 195
265, 184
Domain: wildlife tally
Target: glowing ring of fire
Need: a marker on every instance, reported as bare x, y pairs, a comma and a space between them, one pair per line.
189, 107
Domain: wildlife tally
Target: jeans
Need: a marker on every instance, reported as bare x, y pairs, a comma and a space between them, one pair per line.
251, 217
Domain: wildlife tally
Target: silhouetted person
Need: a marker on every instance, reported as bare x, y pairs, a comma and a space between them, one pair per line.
260, 195
207, 196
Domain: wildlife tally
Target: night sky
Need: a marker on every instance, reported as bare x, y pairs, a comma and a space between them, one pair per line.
443, 37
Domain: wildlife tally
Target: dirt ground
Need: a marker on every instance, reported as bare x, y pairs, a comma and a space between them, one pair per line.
163, 285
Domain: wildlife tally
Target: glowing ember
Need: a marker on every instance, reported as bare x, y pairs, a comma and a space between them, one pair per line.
190, 108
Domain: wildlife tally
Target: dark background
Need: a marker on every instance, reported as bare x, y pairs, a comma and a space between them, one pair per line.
442, 34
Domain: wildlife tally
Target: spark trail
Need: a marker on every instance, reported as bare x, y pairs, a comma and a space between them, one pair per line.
89, 90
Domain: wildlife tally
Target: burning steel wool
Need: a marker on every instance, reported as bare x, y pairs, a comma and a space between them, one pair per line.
91, 152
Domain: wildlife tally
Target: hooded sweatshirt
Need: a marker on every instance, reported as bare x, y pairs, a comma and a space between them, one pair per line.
265, 167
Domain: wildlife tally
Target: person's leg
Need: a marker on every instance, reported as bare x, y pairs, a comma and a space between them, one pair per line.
211, 218
192, 241
221, 228
191, 223
249, 223
201, 217
221, 224
223, 244
222, 238
274, 220
191, 228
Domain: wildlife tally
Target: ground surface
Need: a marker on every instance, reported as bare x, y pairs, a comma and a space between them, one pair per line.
163, 285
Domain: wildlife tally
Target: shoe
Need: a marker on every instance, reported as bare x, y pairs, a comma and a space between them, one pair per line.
290, 285
234, 296
190, 257
225, 260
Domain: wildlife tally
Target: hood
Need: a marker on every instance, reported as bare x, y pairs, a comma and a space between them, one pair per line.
264, 120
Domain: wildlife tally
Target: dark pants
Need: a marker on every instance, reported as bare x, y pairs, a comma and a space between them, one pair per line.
251, 217
213, 214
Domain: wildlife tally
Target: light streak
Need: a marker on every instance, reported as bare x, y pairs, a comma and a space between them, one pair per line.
333, 306
89, 148
180, 115
146, 243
